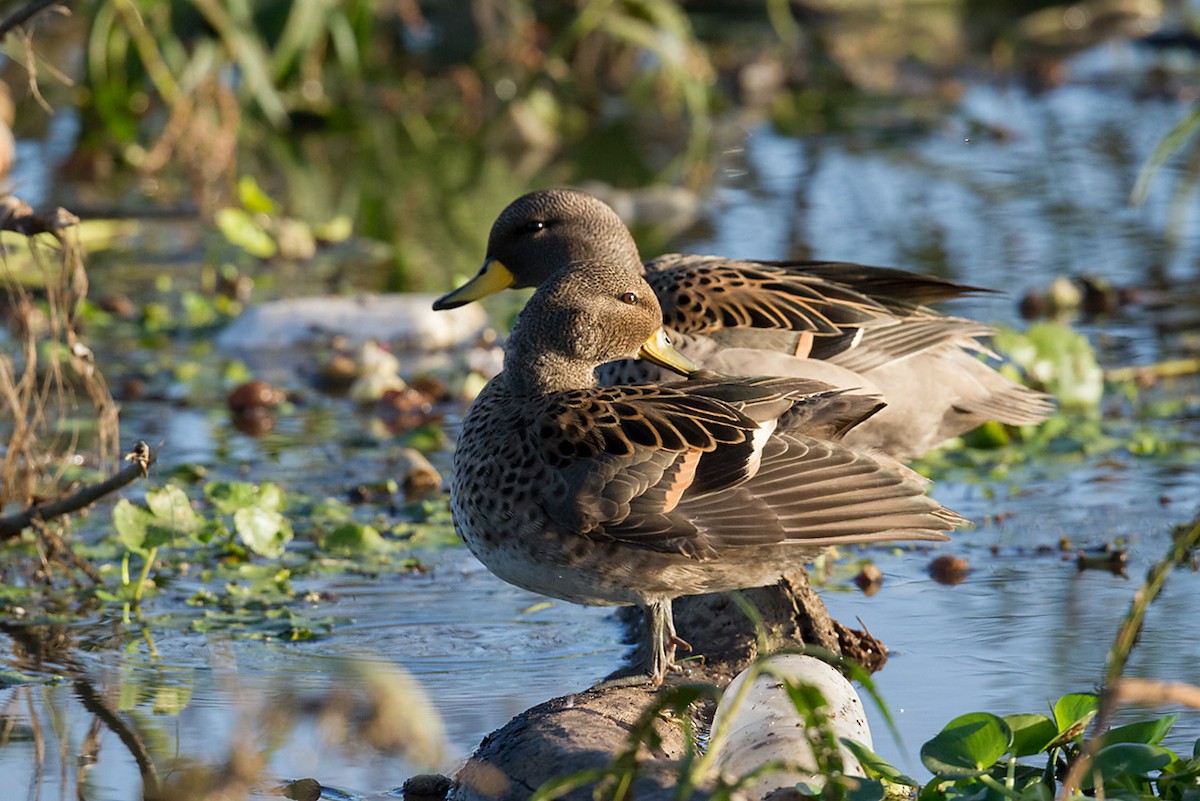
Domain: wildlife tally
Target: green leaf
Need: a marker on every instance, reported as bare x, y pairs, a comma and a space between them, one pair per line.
230, 496
1032, 734
1167, 147
131, 523
1150, 732
253, 198
270, 496
336, 230
157, 536
262, 531
864, 790
1037, 791
1122, 761
242, 230
172, 509
968, 746
875, 766
353, 537
1072, 713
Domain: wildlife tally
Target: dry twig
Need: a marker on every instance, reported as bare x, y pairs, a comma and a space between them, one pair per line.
140, 459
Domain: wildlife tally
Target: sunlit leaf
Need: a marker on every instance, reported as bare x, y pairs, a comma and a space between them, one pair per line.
253, 198
1031, 733
270, 496
262, 531
968, 746
230, 496
242, 230
1149, 732
172, 509
353, 537
131, 522
1072, 713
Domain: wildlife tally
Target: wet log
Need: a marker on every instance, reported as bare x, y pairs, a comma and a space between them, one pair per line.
584, 731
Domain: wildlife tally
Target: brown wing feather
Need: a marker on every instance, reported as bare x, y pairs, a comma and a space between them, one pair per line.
671, 470
706, 294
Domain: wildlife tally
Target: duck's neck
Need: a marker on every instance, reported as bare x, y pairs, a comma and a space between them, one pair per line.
543, 372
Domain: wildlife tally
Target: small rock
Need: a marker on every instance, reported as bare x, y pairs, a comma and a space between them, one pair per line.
427, 787
302, 790
949, 569
869, 579
255, 394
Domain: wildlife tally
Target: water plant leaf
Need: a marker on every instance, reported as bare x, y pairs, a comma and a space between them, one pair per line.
1059, 358
1072, 713
354, 537
270, 496
1124, 760
253, 198
875, 766
262, 531
968, 746
1037, 791
131, 522
229, 496
1149, 732
243, 231
172, 509
864, 790
1032, 734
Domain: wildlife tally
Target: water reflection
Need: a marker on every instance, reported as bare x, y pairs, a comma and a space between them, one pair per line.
155, 705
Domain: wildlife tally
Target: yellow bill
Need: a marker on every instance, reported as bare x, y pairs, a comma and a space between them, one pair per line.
659, 350
492, 277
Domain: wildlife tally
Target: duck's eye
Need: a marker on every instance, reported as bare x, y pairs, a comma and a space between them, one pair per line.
629, 297
533, 226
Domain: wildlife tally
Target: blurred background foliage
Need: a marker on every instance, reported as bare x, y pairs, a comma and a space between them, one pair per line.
418, 120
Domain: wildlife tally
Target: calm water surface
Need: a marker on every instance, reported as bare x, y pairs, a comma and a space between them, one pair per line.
1047, 198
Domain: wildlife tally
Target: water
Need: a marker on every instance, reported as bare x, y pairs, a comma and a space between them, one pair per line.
1046, 198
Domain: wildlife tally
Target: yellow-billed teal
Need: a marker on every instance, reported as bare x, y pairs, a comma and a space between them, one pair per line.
639, 494
848, 325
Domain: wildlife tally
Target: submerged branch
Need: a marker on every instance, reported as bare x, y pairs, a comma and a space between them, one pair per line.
140, 459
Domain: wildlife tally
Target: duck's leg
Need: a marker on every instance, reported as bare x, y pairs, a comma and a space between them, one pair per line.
661, 640
659, 643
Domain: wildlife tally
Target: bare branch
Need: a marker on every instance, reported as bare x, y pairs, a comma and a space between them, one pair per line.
17, 216
140, 458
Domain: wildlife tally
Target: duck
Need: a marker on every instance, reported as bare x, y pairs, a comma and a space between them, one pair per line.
848, 325
636, 494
